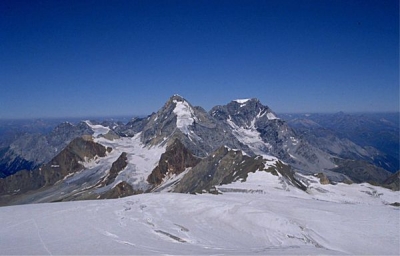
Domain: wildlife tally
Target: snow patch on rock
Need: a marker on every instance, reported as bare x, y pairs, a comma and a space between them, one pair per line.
185, 116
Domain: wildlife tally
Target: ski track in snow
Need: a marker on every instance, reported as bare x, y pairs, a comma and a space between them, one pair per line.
40, 237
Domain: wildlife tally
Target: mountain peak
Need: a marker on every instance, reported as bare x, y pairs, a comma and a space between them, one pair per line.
177, 114
244, 109
176, 98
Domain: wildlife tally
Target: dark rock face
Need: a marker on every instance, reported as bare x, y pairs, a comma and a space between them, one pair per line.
116, 167
66, 162
323, 179
122, 189
10, 163
173, 162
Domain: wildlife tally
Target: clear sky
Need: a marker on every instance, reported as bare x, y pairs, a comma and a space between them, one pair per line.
98, 58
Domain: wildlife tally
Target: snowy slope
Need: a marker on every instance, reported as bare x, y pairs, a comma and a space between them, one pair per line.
97, 128
185, 116
141, 160
257, 217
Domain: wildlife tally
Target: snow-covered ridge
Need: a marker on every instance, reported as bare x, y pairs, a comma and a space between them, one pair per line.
97, 128
185, 115
271, 116
241, 101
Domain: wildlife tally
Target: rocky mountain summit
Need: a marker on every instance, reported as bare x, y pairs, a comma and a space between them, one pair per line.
258, 127
180, 148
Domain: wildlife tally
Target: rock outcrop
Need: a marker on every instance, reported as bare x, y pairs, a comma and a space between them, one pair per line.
116, 167
323, 179
173, 162
221, 167
122, 189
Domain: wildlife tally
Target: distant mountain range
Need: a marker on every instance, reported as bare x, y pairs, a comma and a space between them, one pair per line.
183, 148
373, 137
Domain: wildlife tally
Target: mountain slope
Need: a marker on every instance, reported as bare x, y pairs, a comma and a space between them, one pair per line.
175, 160
258, 127
67, 162
29, 151
193, 126
373, 137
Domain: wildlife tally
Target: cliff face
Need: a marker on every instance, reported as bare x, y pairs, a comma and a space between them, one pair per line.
116, 167
173, 162
122, 189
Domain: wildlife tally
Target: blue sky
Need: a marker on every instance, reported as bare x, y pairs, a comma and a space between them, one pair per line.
102, 58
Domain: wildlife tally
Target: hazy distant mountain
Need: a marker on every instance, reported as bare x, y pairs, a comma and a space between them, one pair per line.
371, 137
29, 150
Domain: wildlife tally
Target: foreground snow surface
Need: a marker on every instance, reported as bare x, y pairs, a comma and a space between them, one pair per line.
270, 220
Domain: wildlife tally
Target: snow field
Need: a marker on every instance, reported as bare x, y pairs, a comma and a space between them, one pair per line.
278, 221
141, 160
